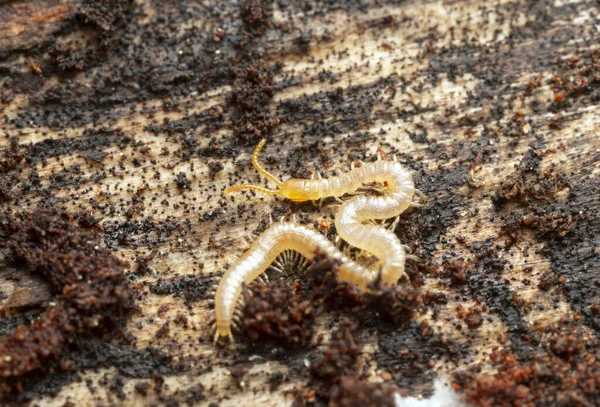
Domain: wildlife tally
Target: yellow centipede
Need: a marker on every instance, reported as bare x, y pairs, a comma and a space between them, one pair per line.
351, 220
351, 224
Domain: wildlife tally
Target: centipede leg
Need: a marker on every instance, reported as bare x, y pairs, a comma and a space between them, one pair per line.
363, 254
421, 195
413, 258
338, 241
394, 223
246, 242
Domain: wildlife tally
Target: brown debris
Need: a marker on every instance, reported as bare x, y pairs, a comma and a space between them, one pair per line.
535, 190
529, 184
352, 392
12, 157
92, 290
396, 304
579, 76
253, 88
569, 375
334, 377
255, 15
339, 357
278, 312
285, 313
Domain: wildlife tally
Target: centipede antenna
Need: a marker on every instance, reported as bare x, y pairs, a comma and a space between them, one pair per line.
251, 188
259, 168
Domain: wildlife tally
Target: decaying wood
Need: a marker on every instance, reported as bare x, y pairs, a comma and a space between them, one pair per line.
144, 112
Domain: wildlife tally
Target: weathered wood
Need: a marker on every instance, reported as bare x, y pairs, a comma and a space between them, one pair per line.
144, 112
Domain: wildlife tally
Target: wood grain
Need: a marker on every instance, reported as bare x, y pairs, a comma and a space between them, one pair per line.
461, 91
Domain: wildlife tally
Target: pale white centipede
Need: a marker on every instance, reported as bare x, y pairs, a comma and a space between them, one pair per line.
263, 252
399, 190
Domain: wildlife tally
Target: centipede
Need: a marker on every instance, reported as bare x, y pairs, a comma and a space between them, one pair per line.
280, 238
354, 223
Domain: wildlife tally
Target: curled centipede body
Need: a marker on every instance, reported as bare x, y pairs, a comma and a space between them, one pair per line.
352, 220
264, 251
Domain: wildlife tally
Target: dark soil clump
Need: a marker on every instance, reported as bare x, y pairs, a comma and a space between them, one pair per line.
568, 375
90, 285
279, 312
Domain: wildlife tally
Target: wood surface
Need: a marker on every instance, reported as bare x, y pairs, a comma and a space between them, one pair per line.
484, 101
